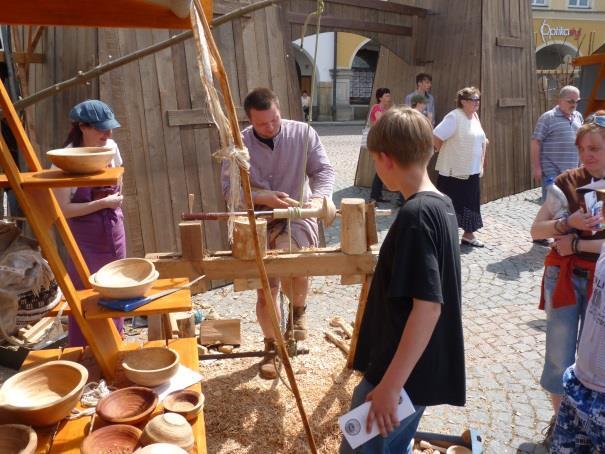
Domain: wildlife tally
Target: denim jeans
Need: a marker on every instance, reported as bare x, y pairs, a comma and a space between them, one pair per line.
580, 427
563, 328
397, 442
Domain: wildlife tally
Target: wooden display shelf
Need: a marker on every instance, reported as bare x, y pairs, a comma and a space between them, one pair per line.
54, 178
70, 434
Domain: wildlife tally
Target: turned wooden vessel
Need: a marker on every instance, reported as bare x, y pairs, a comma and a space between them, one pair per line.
81, 160
127, 405
150, 366
119, 438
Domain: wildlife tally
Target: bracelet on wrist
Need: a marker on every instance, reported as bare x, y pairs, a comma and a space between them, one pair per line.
561, 226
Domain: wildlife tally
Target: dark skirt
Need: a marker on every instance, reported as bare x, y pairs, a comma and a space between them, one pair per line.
466, 197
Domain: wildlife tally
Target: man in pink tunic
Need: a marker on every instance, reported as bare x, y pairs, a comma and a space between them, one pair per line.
278, 170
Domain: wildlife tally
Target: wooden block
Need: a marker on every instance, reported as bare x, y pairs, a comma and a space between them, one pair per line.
351, 279
353, 226
243, 242
220, 332
241, 285
192, 240
186, 325
154, 327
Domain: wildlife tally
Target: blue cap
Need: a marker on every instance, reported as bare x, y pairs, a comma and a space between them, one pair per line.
96, 113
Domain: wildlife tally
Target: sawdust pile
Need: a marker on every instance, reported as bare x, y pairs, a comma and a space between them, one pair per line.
245, 414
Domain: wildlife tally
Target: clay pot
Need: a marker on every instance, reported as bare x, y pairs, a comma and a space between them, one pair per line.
125, 272
124, 292
81, 160
150, 366
120, 438
456, 449
185, 402
18, 438
160, 448
127, 405
169, 428
45, 394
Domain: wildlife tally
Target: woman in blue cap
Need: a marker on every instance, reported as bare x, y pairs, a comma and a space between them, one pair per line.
93, 214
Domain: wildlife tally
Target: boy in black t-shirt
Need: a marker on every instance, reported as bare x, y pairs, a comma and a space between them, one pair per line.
411, 332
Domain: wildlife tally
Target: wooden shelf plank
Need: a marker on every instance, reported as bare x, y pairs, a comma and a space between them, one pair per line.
177, 302
54, 178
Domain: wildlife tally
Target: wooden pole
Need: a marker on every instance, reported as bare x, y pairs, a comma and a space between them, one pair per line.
219, 71
84, 76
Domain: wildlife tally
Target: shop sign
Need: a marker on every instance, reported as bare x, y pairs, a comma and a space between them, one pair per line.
548, 32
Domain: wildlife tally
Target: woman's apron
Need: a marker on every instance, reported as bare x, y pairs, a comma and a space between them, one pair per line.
101, 239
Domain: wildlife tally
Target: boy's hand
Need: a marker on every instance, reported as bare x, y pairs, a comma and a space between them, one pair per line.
383, 410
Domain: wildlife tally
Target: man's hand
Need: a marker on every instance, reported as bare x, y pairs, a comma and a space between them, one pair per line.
383, 410
271, 199
537, 174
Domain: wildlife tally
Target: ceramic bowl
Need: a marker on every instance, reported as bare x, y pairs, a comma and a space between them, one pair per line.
18, 438
169, 428
456, 449
81, 160
125, 272
185, 402
160, 448
119, 438
150, 366
45, 394
127, 405
124, 291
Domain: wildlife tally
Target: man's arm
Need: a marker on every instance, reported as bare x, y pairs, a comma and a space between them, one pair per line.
319, 169
414, 340
535, 160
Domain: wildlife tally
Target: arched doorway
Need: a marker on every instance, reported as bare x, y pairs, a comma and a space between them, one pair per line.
554, 70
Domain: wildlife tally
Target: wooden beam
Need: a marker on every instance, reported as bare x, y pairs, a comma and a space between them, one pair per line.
512, 102
589, 60
187, 117
348, 24
280, 265
380, 5
505, 41
23, 57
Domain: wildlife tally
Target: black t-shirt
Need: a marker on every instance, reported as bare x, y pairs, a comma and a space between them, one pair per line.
420, 258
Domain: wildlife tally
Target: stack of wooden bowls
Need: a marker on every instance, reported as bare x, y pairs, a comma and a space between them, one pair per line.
124, 278
45, 394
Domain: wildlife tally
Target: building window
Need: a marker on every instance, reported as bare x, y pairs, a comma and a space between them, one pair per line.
579, 3
541, 3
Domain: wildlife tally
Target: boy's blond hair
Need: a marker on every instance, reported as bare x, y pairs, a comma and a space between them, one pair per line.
404, 134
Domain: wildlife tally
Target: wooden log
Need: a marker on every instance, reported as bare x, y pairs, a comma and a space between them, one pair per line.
214, 332
192, 240
353, 239
338, 322
361, 307
243, 241
336, 341
186, 325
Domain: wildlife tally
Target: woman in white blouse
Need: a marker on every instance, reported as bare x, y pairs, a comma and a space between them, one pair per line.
461, 144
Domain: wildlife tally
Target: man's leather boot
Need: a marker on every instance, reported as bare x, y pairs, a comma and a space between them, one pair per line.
299, 320
267, 367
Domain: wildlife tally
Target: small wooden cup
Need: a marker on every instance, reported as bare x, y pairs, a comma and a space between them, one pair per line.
185, 402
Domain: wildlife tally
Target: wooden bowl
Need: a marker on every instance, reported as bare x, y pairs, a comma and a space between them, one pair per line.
124, 272
45, 394
150, 366
18, 438
169, 428
125, 291
81, 160
186, 402
119, 438
127, 405
161, 448
456, 449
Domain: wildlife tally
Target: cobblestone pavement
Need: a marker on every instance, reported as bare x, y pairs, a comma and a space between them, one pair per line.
504, 330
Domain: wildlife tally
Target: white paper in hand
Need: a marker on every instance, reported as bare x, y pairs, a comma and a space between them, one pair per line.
353, 423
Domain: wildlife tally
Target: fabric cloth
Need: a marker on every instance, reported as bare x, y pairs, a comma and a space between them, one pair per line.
466, 197
281, 169
563, 325
101, 238
590, 363
375, 109
430, 102
580, 427
557, 135
563, 292
419, 258
397, 442
568, 182
463, 140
